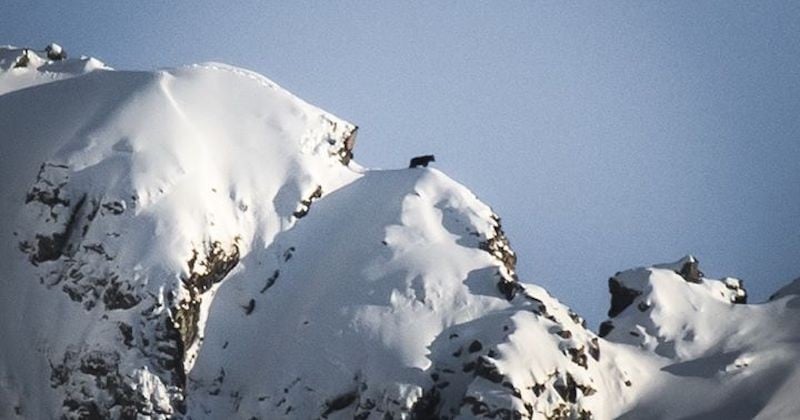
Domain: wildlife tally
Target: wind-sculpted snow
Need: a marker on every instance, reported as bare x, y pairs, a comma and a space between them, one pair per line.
198, 243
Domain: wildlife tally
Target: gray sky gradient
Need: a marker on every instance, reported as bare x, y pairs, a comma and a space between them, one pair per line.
607, 135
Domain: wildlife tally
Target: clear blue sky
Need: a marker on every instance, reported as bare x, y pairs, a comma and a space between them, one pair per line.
606, 134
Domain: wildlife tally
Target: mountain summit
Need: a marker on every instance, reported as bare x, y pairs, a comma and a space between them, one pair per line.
198, 243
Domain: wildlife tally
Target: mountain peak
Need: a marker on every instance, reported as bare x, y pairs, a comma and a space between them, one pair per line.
199, 243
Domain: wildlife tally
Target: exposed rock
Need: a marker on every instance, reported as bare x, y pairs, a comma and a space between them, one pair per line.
339, 403
270, 281
475, 346
305, 204
605, 328
23, 60
214, 265
690, 270
485, 368
498, 246
97, 388
736, 286
621, 297
345, 153
251, 306
55, 52
120, 295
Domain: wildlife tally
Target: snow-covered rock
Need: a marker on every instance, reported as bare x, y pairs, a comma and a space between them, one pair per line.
198, 243
55, 52
24, 67
710, 355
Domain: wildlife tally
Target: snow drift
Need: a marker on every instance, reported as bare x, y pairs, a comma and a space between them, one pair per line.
199, 243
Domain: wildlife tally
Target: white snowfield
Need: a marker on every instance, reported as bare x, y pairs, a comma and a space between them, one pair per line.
197, 243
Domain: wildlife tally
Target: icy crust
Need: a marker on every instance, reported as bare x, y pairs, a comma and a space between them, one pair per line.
701, 351
24, 67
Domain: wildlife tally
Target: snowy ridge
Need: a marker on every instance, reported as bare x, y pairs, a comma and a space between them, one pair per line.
712, 355
23, 67
198, 243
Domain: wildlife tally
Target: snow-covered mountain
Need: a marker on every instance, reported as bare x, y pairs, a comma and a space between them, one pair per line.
198, 243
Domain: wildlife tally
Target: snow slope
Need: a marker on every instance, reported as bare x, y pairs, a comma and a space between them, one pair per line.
198, 243
715, 357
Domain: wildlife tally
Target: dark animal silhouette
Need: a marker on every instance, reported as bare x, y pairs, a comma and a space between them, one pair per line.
421, 161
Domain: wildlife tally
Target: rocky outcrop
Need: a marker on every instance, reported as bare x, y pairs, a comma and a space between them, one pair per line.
55, 52
96, 386
305, 204
738, 294
345, 152
205, 271
621, 297
690, 271
497, 245
655, 307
